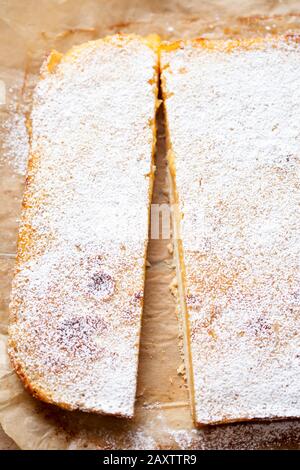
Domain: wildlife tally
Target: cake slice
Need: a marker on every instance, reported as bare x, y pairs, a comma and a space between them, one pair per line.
233, 118
78, 289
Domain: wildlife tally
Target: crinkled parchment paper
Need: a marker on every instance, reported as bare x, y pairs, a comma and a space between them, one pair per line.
28, 31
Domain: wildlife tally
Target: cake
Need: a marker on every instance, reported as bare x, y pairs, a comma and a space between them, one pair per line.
77, 294
233, 119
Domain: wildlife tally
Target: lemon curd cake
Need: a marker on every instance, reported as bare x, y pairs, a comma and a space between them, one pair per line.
78, 288
233, 119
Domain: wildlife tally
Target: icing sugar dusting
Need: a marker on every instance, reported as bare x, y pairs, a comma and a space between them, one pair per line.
77, 295
159, 432
238, 179
16, 144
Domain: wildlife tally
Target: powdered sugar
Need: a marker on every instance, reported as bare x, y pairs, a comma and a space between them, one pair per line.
237, 176
158, 432
77, 295
15, 148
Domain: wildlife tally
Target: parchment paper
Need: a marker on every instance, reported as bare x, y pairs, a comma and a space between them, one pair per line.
28, 31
